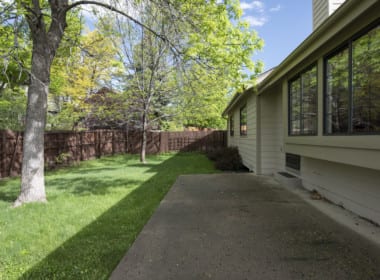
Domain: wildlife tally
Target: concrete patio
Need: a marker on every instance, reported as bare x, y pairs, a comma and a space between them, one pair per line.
241, 226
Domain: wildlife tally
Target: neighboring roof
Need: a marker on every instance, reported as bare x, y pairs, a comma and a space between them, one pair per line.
348, 11
239, 95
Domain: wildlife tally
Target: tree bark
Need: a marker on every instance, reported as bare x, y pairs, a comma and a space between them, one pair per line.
32, 176
45, 44
143, 139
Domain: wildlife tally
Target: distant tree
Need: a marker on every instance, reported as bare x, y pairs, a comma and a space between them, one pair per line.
107, 110
167, 85
90, 67
12, 108
149, 67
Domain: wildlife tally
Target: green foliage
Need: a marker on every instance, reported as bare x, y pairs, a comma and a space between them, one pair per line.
95, 212
12, 108
15, 54
76, 76
211, 43
222, 38
201, 100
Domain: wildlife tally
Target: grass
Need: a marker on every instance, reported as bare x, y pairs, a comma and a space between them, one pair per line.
94, 213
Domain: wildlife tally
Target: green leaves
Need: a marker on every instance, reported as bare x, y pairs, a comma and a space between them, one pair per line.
221, 40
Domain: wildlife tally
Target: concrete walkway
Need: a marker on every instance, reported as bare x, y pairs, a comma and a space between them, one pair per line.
241, 226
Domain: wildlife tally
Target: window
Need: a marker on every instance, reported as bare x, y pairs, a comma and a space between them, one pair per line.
243, 120
352, 93
303, 103
231, 125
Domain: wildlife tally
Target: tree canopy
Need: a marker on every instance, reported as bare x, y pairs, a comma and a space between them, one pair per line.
208, 51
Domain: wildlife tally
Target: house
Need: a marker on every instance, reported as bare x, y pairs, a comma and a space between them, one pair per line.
317, 115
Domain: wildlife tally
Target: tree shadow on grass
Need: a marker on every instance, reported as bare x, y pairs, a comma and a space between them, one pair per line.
96, 250
91, 186
8, 192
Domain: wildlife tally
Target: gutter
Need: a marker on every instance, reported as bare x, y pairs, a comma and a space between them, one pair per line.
239, 95
304, 49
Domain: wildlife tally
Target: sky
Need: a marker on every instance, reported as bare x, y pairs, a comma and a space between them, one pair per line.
282, 24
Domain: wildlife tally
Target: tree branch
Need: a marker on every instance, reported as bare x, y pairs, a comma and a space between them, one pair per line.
114, 9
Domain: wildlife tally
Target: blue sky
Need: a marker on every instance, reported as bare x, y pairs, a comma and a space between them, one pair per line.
282, 24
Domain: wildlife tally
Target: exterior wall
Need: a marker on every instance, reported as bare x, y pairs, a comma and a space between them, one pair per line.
322, 9
320, 12
343, 168
356, 189
271, 137
247, 143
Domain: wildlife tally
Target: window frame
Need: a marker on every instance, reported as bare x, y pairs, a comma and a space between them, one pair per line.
298, 76
243, 132
347, 44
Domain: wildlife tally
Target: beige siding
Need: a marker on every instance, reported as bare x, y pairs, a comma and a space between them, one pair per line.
356, 189
246, 144
322, 9
320, 12
271, 148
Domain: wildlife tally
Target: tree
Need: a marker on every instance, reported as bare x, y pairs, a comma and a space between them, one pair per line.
12, 108
212, 33
165, 81
148, 68
201, 92
89, 68
46, 31
106, 110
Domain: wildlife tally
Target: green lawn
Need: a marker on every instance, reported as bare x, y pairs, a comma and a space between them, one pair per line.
94, 213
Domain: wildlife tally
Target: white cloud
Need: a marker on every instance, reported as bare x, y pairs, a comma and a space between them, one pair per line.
254, 5
254, 13
275, 9
256, 21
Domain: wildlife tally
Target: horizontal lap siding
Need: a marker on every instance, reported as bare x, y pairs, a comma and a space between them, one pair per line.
272, 157
320, 12
354, 188
246, 144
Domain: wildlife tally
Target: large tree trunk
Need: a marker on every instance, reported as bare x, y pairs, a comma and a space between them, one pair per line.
45, 43
32, 177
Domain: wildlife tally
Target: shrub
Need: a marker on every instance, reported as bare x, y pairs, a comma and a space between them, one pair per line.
226, 158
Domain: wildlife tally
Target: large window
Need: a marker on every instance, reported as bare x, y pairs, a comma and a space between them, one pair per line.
232, 125
303, 103
243, 120
352, 93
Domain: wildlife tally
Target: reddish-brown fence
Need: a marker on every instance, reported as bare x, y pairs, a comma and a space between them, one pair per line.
67, 147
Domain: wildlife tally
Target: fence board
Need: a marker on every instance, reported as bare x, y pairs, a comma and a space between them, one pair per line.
62, 148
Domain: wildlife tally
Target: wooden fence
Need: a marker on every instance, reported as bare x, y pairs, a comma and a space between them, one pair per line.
63, 148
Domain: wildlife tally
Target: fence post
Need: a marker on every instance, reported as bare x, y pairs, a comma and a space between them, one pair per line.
164, 142
81, 145
3, 154
97, 142
113, 141
13, 155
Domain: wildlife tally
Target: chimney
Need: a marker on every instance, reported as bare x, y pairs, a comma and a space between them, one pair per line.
322, 9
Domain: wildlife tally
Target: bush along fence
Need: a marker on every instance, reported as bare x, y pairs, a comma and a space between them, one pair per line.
64, 148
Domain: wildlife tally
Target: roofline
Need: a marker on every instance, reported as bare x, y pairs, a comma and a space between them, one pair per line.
239, 95
306, 47
338, 14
